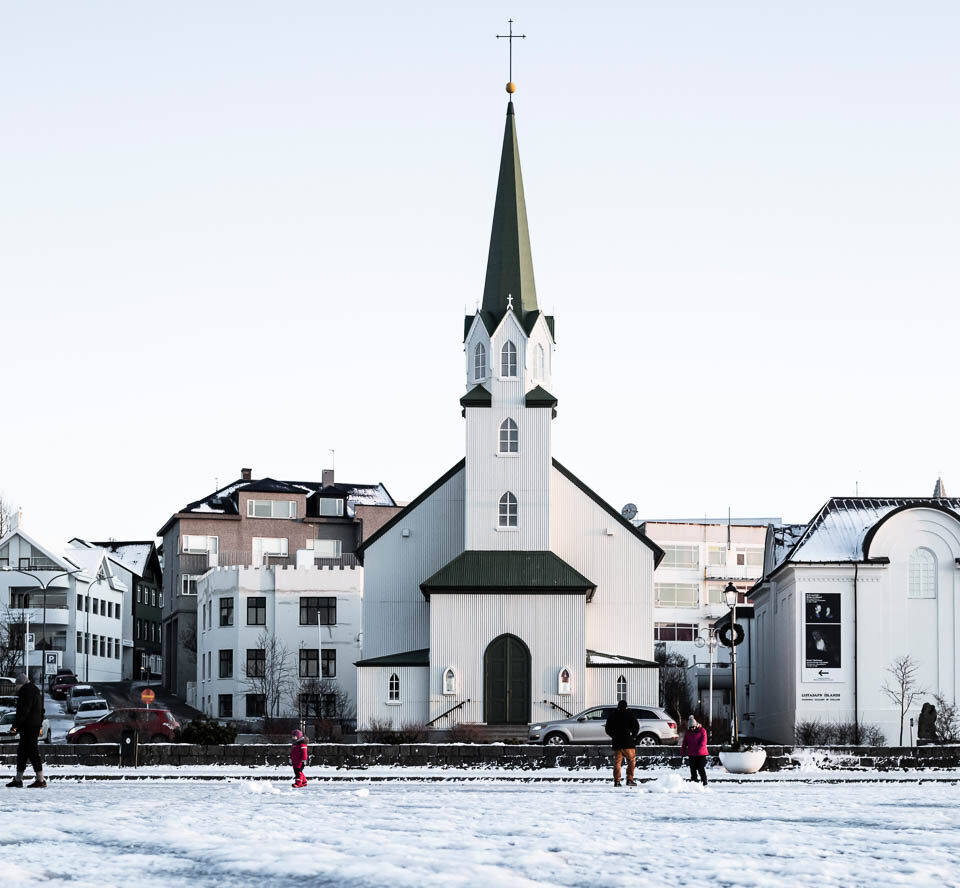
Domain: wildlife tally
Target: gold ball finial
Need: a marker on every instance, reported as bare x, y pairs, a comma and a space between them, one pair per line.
511, 87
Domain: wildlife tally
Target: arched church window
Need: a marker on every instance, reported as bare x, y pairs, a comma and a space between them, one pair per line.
922, 581
509, 437
393, 688
508, 359
449, 681
479, 362
508, 510
621, 689
538, 363
563, 681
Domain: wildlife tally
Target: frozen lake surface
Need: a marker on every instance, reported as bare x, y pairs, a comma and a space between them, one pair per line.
664, 833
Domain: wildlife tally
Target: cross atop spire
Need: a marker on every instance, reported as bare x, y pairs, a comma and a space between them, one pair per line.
510, 37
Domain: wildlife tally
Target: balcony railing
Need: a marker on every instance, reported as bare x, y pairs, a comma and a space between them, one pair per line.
246, 559
734, 572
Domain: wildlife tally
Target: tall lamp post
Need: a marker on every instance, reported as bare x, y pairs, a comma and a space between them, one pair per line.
710, 642
731, 594
43, 587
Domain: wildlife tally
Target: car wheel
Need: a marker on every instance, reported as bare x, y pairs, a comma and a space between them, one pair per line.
648, 740
86, 738
554, 739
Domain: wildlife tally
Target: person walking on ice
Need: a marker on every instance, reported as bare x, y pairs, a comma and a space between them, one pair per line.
298, 758
695, 747
28, 722
622, 729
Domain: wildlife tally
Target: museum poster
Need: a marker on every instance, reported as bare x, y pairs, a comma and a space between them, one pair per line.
822, 630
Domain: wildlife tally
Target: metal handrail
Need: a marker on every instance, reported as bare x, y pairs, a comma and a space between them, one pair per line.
558, 707
451, 709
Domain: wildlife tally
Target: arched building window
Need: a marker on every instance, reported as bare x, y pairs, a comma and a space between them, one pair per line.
621, 689
509, 437
922, 581
508, 510
393, 688
479, 362
508, 359
538, 363
449, 681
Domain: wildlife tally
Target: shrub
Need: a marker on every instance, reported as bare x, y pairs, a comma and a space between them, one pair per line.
207, 732
382, 731
466, 733
816, 733
810, 733
947, 728
326, 729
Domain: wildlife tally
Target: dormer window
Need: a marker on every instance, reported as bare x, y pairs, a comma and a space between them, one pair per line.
479, 362
508, 510
508, 359
332, 508
271, 508
538, 363
509, 437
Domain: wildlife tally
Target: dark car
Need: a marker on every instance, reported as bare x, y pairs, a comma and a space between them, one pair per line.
52, 680
153, 726
63, 683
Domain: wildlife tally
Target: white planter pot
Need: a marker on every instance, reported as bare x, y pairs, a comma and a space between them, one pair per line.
747, 762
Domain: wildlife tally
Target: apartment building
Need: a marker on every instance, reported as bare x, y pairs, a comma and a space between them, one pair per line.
257, 523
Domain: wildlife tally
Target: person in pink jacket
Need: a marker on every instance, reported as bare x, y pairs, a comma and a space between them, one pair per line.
695, 747
298, 758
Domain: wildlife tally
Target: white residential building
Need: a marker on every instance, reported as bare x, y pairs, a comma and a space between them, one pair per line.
313, 614
78, 623
867, 581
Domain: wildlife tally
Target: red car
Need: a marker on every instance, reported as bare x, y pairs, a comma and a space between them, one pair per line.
63, 683
153, 726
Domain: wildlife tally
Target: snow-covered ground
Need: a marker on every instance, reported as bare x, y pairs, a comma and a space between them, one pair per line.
498, 833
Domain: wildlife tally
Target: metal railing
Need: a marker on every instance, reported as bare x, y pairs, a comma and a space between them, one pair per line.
558, 707
445, 714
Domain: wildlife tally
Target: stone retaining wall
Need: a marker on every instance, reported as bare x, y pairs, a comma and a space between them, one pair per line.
451, 755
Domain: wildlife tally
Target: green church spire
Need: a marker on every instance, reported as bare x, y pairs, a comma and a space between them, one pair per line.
509, 263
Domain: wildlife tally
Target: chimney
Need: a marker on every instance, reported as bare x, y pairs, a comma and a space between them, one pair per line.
245, 474
328, 477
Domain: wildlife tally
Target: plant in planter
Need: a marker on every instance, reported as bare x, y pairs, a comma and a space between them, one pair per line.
742, 757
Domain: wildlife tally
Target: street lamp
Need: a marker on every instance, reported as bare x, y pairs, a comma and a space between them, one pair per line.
710, 642
731, 593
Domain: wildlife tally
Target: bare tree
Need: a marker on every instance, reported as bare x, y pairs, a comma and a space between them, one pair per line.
272, 675
674, 689
8, 515
322, 698
11, 641
902, 686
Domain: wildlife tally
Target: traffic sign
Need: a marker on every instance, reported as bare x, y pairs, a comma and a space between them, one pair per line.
147, 696
30, 641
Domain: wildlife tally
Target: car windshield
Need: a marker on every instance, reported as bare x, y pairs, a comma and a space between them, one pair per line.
7, 718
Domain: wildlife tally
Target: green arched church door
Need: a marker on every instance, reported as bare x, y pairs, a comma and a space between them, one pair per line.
506, 682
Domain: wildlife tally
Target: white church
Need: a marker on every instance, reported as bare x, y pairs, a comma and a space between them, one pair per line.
508, 591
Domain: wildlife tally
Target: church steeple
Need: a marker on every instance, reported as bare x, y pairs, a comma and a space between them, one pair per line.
509, 262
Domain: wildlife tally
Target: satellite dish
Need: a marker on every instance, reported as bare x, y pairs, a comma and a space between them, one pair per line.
629, 511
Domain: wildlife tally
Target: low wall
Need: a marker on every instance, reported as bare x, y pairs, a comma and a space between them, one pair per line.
451, 755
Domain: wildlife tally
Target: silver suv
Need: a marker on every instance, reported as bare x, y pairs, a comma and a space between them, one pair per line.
656, 728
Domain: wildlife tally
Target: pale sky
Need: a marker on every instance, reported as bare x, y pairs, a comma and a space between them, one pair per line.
241, 234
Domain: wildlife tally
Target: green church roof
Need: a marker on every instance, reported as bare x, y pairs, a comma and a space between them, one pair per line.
540, 572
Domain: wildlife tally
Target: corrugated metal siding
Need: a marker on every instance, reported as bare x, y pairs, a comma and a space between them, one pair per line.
395, 615
643, 686
620, 615
462, 626
372, 692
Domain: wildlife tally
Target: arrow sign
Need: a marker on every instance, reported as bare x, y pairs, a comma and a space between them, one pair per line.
822, 672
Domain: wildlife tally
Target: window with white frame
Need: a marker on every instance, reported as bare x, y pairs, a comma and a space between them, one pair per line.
675, 631
750, 557
508, 510
685, 557
199, 545
325, 548
922, 580
621, 688
449, 680
677, 594
271, 508
393, 688
331, 508
480, 362
188, 585
266, 546
509, 437
508, 359
538, 363
717, 556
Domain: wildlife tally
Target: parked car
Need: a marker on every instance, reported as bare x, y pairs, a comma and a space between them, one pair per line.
153, 725
656, 727
91, 710
58, 690
8, 702
52, 680
7, 684
6, 722
77, 693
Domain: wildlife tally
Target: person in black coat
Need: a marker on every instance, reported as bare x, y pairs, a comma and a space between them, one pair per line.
28, 722
622, 729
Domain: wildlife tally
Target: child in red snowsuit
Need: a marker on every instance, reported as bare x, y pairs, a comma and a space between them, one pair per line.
298, 758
